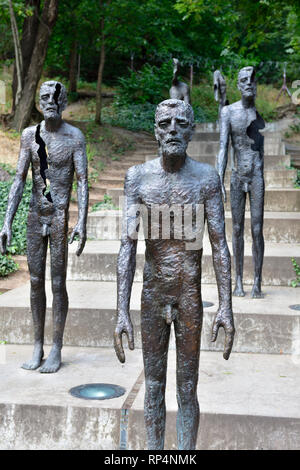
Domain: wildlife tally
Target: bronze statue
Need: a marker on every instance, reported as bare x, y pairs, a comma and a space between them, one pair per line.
242, 123
179, 90
54, 149
172, 273
220, 90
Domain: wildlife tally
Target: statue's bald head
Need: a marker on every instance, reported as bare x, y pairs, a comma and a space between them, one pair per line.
178, 104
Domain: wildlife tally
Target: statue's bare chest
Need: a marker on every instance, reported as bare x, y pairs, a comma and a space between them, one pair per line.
169, 189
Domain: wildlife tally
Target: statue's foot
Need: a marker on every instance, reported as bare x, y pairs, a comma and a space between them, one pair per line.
36, 360
256, 292
238, 291
53, 362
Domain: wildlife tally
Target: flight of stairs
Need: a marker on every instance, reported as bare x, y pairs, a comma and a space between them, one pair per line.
248, 402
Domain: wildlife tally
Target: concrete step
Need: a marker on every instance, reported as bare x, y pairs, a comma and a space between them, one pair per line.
249, 402
197, 148
276, 199
271, 162
266, 326
214, 136
280, 178
99, 259
279, 227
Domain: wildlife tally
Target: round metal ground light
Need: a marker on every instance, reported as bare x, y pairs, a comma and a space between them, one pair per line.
295, 307
97, 391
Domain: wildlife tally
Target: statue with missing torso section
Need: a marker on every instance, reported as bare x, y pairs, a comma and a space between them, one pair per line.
54, 150
242, 123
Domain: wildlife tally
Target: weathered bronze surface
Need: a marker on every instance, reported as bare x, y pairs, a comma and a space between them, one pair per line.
220, 90
54, 149
179, 90
242, 123
172, 273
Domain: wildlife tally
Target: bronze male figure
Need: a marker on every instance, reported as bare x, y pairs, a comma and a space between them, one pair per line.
242, 123
54, 149
172, 273
179, 90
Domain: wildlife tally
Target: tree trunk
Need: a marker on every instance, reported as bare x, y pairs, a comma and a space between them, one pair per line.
29, 32
100, 76
73, 68
18, 53
25, 106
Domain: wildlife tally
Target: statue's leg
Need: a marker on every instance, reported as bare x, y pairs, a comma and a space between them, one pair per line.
238, 202
155, 341
257, 220
188, 324
59, 259
36, 257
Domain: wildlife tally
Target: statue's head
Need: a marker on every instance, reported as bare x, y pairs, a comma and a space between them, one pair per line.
53, 99
174, 126
247, 82
219, 85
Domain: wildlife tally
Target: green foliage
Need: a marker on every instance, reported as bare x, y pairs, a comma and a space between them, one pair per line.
297, 180
135, 117
7, 265
106, 204
149, 85
18, 244
296, 282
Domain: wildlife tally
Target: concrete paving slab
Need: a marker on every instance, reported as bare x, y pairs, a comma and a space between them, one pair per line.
262, 325
256, 396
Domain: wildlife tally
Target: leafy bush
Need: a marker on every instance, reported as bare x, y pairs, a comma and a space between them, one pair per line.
135, 117
7, 265
18, 244
106, 204
296, 282
148, 85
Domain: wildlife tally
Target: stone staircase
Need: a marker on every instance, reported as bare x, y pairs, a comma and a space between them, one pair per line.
249, 402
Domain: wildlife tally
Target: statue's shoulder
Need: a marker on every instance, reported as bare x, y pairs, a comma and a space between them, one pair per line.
75, 132
206, 174
234, 106
29, 132
142, 169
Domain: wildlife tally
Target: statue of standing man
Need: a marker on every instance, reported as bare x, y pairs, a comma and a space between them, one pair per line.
54, 150
242, 123
172, 272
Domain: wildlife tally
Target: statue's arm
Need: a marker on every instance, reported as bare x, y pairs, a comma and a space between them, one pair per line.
126, 263
214, 213
16, 190
222, 157
81, 171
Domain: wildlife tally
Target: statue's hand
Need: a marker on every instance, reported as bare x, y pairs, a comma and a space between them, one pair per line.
124, 325
5, 238
81, 232
224, 193
224, 318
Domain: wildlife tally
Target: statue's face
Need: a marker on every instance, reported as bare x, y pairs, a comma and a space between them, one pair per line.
51, 101
222, 88
173, 130
247, 83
